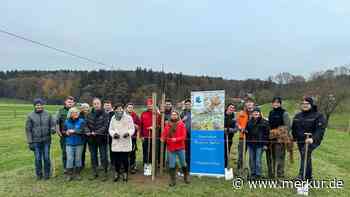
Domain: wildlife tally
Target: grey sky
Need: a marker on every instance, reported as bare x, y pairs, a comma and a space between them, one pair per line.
232, 39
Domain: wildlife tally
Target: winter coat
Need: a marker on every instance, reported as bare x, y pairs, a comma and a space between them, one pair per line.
78, 126
61, 117
98, 122
188, 121
230, 123
258, 132
121, 127
39, 127
146, 122
179, 136
309, 122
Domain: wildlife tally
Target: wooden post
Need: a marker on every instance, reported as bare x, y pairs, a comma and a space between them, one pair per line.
161, 131
154, 127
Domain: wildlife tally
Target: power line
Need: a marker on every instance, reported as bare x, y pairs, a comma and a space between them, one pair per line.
51, 47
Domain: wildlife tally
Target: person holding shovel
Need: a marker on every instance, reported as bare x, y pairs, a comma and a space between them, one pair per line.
39, 128
174, 136
230, 129
308, 129
73, 130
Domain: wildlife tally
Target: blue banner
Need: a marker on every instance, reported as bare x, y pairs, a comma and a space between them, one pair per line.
207, 133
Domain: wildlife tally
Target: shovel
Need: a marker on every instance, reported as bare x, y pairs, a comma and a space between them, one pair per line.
148, 166
228, 171
304, 189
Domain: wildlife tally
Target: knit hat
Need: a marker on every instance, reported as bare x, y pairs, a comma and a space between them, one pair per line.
84, 106
277, 99
38, 101
73, 110
309, 100
256, 109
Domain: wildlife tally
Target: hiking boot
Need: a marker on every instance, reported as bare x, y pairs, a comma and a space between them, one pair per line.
105, 177
77, 174
125, 177
172, 175
186, 175
94, 175
69, 175
116, 177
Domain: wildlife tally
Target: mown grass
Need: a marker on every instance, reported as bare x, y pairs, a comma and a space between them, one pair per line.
331, 160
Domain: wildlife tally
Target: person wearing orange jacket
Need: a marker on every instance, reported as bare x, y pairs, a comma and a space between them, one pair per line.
146, 132
174, 136
242, 120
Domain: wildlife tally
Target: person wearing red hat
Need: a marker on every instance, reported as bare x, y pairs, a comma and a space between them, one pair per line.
146, 132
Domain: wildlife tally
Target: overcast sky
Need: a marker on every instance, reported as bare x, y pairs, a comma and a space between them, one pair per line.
235, 39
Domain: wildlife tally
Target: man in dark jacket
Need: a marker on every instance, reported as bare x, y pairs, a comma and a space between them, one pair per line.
309, 120
230, 128
280, 127
186, 117
108, 107
61, 117
39, 128
97, 130
130, 110
257, 135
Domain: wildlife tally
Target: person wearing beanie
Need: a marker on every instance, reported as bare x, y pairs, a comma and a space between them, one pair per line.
61, 117
121, 130
309, 120
73, 130
146, 132
39, 127
257, 135
230, 129
280, 131
174, 136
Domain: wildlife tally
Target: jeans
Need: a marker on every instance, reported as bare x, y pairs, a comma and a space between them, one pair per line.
42, 152
64, 153
255, 154
121, 158
96, 148
172, 158
74, 156
308, 174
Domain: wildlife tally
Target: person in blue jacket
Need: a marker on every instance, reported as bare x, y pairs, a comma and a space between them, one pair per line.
73, 129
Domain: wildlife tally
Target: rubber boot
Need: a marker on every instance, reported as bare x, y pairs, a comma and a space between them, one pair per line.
77, 174
172, 175
94, 174
186, 175
69, 174
125, 177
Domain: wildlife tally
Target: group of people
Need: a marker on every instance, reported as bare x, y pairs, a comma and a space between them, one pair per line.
110, 133
274, 135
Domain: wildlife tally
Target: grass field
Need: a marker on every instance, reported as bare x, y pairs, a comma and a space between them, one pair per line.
331, 160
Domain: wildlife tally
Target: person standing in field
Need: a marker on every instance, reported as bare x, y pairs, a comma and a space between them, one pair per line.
74, 131
39, 128
132, 156
121, 130
97, 132
108, 107
230, 128
84, 111
61, 117
242, 121
146, 132
280, 131
174, 136
309, 120
186, 117
258, 130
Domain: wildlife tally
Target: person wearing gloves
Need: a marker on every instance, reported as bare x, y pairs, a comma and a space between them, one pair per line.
230, 128
309, 120
257, 137
39, 128
174, 136
73, 130
121, 130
